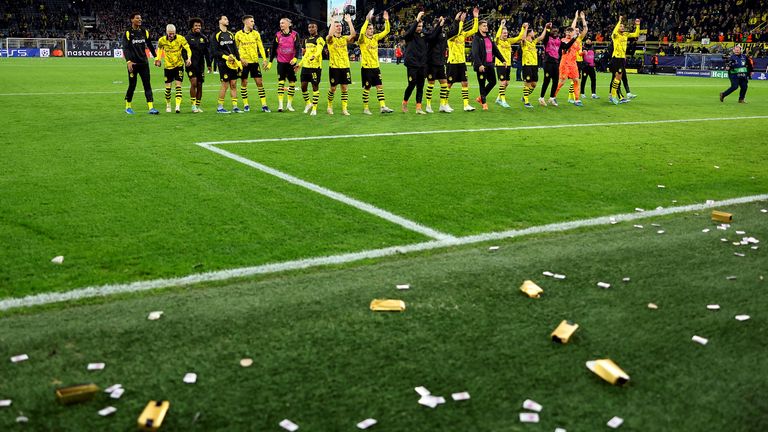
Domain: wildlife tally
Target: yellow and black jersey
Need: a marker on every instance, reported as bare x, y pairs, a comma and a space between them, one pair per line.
135, 45
250, 46
369, 46
313, 52
456, 43
530, 55
337, 52
620, 40
505, 46
172, 49
223, 45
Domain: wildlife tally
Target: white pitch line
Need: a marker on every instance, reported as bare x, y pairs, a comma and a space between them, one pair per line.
476, 130
221, 275
360, 205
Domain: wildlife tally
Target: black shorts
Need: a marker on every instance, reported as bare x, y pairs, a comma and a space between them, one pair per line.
339, 76
416, 74
617, 65
311, 75
530, 73
253, 70
227, 74
175, 74
196, 71
371, 77
503, 72
285, 72
551, 70
456, 72
436, 73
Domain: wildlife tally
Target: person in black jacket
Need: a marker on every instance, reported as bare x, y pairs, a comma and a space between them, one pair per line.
136, 41
484, 50
416, 62
201, 57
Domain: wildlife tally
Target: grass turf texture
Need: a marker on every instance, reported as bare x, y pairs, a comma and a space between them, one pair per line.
128, 198
325, 361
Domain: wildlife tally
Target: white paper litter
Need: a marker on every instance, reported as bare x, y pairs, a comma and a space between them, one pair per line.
560, 430
717, 166
57, 260
532, 405
763, 210
730, 277
529, 417
713, 307
107, 411
755, 247
5, 403
289, 425
246, 362
603, 285
699, 340
117, 393
705, 230
626, 279
615, 422
154, 316
739, 254
660, 186
460, 396
422, 391
751, 240
365, 424
559, 276
493, 248
660, 232
112, 388
613, 220
638, 209
710, 202
742, 317
22, 419
19, 358
403, 287
190, 378
96, 366
652, 306
655, 225
659, 208
548, 273
431, 401
638, 226
740, 232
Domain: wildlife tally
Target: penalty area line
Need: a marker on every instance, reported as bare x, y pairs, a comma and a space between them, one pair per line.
222, 275
478, 130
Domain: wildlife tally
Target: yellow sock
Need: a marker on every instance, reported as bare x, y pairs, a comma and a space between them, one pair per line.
127, 104
150, 105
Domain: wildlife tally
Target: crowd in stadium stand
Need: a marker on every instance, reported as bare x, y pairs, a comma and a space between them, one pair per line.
671, 22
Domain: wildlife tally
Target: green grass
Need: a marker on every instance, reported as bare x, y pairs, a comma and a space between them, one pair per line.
128, 198
133, 198
325, 361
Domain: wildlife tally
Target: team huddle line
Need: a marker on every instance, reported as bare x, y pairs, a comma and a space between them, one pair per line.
238, 57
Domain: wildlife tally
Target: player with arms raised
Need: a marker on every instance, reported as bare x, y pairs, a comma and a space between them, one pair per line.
339, 62
370, 71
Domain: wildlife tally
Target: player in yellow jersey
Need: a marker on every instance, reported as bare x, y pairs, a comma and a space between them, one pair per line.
504, 43
338, 59
370, 71
312, 68
457, 66
170, 47
618, 60
530, 60
250, 46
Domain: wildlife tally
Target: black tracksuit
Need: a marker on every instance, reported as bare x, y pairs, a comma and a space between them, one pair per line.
135, 43
487, 78
416, 51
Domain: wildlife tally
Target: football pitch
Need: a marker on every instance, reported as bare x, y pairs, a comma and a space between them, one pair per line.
266, 235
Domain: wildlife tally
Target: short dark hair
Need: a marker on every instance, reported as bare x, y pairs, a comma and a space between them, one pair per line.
218, 17
245, 17
193, 21
133, 15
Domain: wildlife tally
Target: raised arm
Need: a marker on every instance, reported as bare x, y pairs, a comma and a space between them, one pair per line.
352, 32
635, 33
616, 29
501, 28
583, 24
575, 20
520, 36
544, 33
386, 30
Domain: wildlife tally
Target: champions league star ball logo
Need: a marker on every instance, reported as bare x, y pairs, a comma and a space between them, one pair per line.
338, 8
